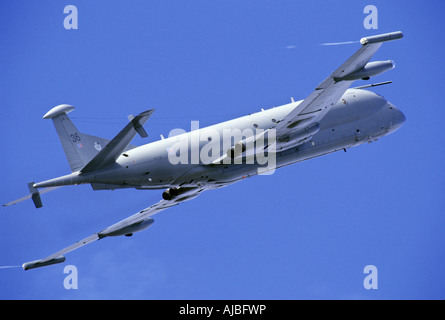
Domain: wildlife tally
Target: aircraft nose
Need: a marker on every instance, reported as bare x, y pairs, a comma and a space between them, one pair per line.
398, 118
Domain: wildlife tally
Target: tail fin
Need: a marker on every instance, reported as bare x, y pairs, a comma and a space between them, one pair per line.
79, 148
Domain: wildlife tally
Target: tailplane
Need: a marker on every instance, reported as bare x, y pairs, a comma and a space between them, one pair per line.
79, 148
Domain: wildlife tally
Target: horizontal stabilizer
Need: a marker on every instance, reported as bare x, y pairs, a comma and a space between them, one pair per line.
108, 155
29, 196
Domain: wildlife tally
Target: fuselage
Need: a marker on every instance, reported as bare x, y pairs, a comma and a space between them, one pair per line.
187, 159
360, 116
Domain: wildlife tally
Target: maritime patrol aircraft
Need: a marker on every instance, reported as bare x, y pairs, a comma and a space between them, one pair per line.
332, 118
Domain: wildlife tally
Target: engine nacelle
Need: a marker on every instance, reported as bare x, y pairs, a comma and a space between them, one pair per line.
116, 230
371, 69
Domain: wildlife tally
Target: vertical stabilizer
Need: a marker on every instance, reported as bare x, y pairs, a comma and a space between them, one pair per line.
79, 148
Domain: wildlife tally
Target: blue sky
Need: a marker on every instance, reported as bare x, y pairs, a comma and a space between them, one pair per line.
305, 232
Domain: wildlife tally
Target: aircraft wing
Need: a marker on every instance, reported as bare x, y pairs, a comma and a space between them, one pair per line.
31, 195
312, 109
134, 223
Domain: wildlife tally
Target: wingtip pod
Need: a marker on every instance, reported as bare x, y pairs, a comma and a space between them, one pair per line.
120, 229
382, 37
42, 263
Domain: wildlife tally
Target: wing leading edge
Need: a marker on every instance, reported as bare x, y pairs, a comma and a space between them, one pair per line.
137, 222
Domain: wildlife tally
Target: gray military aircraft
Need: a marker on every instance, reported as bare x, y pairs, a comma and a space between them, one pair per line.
332, 118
